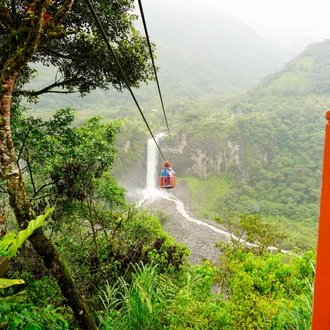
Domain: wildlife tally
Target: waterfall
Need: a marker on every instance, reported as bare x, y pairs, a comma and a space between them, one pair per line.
151, 191
152, 161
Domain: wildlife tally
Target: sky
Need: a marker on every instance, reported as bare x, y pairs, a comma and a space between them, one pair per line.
289, 22
282, 19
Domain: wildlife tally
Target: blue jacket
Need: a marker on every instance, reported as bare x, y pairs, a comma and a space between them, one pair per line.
165, 171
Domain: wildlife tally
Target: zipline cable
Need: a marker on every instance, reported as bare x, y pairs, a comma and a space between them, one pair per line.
100, 27
153, 63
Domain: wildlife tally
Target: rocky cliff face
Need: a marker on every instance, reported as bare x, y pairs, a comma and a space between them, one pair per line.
234, 146
193, 156
218, 148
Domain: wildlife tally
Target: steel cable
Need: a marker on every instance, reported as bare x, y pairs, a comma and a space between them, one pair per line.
100, 27
153, 63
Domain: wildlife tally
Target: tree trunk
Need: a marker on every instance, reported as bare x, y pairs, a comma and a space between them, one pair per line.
20, 203
21, 53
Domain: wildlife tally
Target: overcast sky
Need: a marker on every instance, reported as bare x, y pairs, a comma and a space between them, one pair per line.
283, 19
287, 21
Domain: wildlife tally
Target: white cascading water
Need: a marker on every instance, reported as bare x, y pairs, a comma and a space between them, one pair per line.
152, 161
151, 191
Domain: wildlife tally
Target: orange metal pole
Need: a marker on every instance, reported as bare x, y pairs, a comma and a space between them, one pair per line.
321, 306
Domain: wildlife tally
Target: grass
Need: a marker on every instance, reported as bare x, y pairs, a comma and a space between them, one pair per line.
137, 305
205, 192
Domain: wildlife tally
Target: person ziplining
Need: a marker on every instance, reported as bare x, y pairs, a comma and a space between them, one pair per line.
167, 176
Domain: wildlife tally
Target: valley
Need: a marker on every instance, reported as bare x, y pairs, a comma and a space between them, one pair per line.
112, 251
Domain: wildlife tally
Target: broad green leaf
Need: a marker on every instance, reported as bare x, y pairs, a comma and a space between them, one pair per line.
6, 283
5, 242
9, 244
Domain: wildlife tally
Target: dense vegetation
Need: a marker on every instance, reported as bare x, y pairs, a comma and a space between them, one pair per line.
262, 151
132, 273
62, 34
266, 163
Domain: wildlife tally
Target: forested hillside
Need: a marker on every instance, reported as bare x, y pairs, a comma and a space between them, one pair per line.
262, 151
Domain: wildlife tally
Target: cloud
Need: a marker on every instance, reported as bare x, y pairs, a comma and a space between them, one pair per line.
282, 20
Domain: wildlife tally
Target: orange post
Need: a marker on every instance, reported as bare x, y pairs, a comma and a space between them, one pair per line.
321, 305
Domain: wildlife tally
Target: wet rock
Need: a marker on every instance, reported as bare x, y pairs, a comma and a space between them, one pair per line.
199, 235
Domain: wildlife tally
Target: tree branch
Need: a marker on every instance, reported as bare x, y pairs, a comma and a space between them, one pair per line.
31, 174
41, 197
48, 88
40, 188
20, 151
54, 52
62, 14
